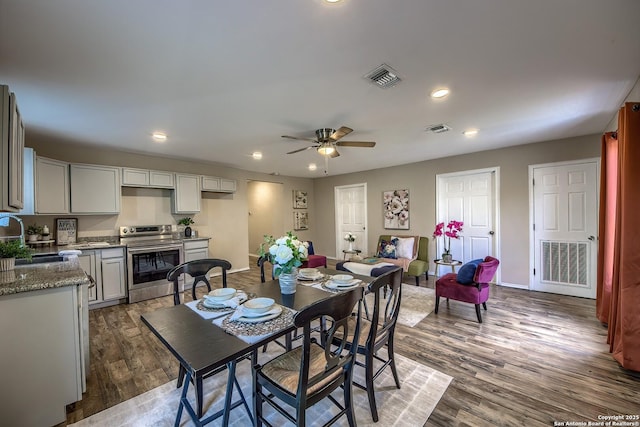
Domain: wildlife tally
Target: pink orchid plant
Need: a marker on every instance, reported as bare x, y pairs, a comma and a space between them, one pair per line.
451, 231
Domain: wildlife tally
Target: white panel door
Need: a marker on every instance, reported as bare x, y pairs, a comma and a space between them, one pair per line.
468, 197
351, 216
565, 223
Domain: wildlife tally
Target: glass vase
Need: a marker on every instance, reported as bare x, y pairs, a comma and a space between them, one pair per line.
288, 282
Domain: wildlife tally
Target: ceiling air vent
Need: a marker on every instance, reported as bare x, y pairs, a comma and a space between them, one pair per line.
383, 76
441, 128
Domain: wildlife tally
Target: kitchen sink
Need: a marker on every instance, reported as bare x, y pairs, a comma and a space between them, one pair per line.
39, 259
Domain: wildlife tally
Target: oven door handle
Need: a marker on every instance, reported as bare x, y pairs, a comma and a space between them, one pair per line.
139, 249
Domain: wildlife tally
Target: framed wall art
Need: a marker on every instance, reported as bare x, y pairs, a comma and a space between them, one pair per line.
299, 199
301, 220
66, 230
395, 205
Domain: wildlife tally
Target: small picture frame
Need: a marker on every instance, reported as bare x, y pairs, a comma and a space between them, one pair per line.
301, 220
300, 199
66, 231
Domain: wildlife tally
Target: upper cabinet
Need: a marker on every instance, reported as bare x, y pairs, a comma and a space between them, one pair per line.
147, 178
11, 152
186, 197
94, 189
51, 186
218, 185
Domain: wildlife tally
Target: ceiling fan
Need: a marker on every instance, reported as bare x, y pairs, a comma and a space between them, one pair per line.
328, 139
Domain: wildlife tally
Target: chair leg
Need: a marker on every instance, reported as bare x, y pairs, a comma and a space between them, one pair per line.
484, 305
437, 304
348, 401
426, 276
478, 313
392, 360
417, 280
369, 383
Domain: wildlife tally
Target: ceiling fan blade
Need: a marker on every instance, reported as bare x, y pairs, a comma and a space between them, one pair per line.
356, 144
301, 149
340, 133
334, 154
299, 139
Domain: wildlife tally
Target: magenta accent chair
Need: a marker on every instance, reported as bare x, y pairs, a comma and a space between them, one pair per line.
475, 293
314, 260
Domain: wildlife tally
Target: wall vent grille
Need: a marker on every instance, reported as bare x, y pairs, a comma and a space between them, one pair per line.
564, 263
384, 76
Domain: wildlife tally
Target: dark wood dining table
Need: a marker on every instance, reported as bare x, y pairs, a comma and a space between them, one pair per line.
202, 347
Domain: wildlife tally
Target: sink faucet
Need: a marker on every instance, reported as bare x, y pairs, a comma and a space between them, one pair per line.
4, 222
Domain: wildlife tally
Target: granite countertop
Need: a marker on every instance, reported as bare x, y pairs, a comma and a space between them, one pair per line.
35, 277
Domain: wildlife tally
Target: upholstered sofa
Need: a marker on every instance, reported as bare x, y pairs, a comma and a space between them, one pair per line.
416, 267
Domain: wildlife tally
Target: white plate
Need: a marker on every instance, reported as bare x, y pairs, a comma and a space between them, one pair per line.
211, 303
342, 286
342, 278
260, 318
314, 277
308, 272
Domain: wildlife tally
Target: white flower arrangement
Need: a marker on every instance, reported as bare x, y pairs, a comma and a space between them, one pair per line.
350, 237
285, 253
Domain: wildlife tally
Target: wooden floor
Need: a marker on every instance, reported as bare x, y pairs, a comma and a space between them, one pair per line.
538, 358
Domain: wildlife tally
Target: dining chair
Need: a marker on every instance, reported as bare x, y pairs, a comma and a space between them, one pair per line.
378, 332
197, 269
309, 373
263, 278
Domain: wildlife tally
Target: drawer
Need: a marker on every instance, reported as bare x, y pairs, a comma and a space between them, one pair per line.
196, 244
113, 253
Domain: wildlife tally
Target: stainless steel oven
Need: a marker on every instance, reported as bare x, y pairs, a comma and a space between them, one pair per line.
152, 251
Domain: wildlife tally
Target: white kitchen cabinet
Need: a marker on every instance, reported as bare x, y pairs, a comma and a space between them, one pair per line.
161, 179
218, 185
41, 358
114, 285
51, 186
186, 197
94, 189
210, 183
194, 250
11, 152
227, 185
91, 267
147, 178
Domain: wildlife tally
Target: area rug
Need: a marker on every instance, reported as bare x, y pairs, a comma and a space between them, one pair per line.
411, 405
417, 303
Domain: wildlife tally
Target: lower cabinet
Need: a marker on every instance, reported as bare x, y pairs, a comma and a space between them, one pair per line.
194, 250
108, 269
40, 356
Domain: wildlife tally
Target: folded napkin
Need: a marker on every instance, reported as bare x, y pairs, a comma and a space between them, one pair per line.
240, 312
231, 302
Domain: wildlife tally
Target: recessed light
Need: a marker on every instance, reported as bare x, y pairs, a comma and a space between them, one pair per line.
470, 132
159, 136
333, 1
440, 93
257, 155
312, 166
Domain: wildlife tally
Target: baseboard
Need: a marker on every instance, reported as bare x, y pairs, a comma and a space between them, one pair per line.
513, 285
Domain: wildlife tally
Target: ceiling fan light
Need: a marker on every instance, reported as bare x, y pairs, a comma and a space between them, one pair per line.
326, 149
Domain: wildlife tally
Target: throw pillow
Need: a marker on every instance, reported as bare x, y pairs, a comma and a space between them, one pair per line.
467, 271
405, 246
388, 249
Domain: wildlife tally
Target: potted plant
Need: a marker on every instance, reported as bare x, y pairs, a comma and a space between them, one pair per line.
286, 253
9, 251
34, 231
187, 225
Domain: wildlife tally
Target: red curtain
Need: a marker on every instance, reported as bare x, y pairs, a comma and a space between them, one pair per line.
618, 296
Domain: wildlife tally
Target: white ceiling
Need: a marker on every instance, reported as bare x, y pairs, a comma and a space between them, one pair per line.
226, 78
